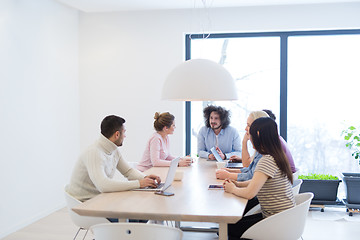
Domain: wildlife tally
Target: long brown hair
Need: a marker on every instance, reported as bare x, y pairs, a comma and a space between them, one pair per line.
265, 138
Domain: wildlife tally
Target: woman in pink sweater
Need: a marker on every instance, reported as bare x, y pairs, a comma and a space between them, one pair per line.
157, 153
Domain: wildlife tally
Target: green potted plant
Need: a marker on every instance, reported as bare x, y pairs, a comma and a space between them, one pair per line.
352, 180
324, 187
352, 138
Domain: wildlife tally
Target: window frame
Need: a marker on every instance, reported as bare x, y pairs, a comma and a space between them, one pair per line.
283, 68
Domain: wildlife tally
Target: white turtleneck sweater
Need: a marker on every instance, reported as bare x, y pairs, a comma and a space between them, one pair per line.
95, 169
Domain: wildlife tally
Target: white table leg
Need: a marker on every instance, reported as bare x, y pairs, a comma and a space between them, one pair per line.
223, 233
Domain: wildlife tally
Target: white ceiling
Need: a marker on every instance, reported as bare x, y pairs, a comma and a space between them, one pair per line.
136, 5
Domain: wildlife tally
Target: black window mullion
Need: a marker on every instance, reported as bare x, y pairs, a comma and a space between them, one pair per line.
187, 103
283, 85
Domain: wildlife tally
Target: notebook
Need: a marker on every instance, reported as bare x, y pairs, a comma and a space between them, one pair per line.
169, 178
219, 159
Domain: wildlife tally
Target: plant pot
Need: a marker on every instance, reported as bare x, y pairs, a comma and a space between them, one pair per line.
324, 190
352, 187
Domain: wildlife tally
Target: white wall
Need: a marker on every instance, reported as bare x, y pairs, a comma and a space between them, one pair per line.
39, 108
125, 57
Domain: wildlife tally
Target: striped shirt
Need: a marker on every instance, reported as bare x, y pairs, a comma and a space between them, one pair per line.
276, 194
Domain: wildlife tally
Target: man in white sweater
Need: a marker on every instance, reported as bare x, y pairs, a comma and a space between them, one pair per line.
95, 169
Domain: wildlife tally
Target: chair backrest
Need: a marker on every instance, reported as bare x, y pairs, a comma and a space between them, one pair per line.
296, 174
286, 225
80, 221
296, 186
135, 231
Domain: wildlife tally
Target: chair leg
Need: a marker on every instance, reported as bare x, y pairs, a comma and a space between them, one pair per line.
177, 224
85, 234
169, 223
77, 233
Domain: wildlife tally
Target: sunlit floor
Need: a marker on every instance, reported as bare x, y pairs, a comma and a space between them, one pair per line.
333, 223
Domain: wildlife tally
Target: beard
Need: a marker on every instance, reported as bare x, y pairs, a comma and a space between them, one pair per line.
119, 142
216, 128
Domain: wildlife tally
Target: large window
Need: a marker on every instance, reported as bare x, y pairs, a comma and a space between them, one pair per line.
323, 85
252, 62
310, 80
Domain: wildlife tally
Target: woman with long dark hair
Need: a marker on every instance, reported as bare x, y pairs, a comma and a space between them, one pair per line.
272, 179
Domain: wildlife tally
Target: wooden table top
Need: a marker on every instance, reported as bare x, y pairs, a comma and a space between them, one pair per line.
192, 200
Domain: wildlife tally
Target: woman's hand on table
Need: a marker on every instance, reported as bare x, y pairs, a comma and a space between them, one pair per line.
185, 161
229, 185
235, 158
233, 170
222, 174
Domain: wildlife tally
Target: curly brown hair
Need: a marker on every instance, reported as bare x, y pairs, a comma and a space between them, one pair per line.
223, 114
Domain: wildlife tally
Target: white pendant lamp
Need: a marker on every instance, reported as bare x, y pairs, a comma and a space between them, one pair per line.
199, 80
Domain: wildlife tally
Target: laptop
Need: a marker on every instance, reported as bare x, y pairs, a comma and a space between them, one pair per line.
168, 181
219, 159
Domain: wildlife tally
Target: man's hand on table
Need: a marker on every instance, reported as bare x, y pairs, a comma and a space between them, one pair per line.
150, 181
211, 156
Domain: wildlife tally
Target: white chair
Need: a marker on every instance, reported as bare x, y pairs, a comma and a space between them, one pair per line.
286, 225
256, 209
84, 223
296, 174
135, 231
296, 186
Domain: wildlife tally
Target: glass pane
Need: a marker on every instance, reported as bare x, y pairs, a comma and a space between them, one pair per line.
255, 65
323, 94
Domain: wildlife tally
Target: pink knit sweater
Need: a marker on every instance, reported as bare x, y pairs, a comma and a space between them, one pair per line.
156, 153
